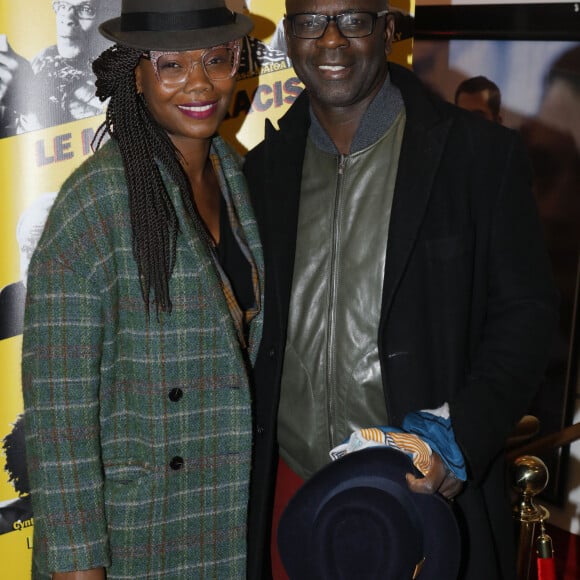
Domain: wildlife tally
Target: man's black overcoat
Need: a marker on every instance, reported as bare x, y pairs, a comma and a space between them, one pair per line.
468, 309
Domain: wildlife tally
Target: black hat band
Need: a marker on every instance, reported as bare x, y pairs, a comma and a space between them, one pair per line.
190, 20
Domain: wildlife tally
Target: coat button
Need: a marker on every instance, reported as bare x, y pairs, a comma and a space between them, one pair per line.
175, 395
260, 430
176, 463
272, 353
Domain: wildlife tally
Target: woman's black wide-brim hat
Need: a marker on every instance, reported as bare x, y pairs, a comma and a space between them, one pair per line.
174, 25
357, 519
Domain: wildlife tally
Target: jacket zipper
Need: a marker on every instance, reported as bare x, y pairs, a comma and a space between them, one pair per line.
331, 330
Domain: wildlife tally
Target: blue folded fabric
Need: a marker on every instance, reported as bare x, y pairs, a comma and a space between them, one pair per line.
436, 430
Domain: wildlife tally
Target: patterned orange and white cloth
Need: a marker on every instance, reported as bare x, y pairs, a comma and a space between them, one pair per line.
422, 433
419, 451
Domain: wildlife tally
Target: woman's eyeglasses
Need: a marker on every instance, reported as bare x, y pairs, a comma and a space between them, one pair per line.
173, 68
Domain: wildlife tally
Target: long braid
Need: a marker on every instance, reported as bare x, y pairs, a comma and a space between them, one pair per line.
142, 142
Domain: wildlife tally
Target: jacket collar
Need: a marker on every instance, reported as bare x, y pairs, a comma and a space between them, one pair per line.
426, 131
424, 108
378, 118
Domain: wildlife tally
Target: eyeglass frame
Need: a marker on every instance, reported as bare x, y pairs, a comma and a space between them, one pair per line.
154, 55
334, 18
75, 9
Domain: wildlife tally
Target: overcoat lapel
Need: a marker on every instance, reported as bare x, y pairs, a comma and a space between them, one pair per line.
283, 193
191, 240
240, 199
424, 139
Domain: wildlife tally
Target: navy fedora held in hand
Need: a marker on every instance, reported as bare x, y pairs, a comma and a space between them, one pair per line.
357, 519
175, 25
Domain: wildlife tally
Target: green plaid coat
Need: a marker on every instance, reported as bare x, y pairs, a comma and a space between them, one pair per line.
139, 432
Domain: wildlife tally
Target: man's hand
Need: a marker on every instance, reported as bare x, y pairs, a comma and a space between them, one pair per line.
438, 479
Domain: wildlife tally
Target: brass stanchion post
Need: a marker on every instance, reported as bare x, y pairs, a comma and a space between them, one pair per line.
529, 478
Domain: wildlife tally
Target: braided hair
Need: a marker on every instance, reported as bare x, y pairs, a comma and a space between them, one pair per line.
143, 143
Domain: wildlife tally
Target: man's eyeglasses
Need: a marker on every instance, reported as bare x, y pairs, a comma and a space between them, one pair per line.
85, 11
173, 68
350, 24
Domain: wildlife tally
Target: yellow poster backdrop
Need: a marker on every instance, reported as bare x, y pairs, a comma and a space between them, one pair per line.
48, 117
35, 157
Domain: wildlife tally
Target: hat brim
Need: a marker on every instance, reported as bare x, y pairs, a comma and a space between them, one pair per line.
179, 39
371, 476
